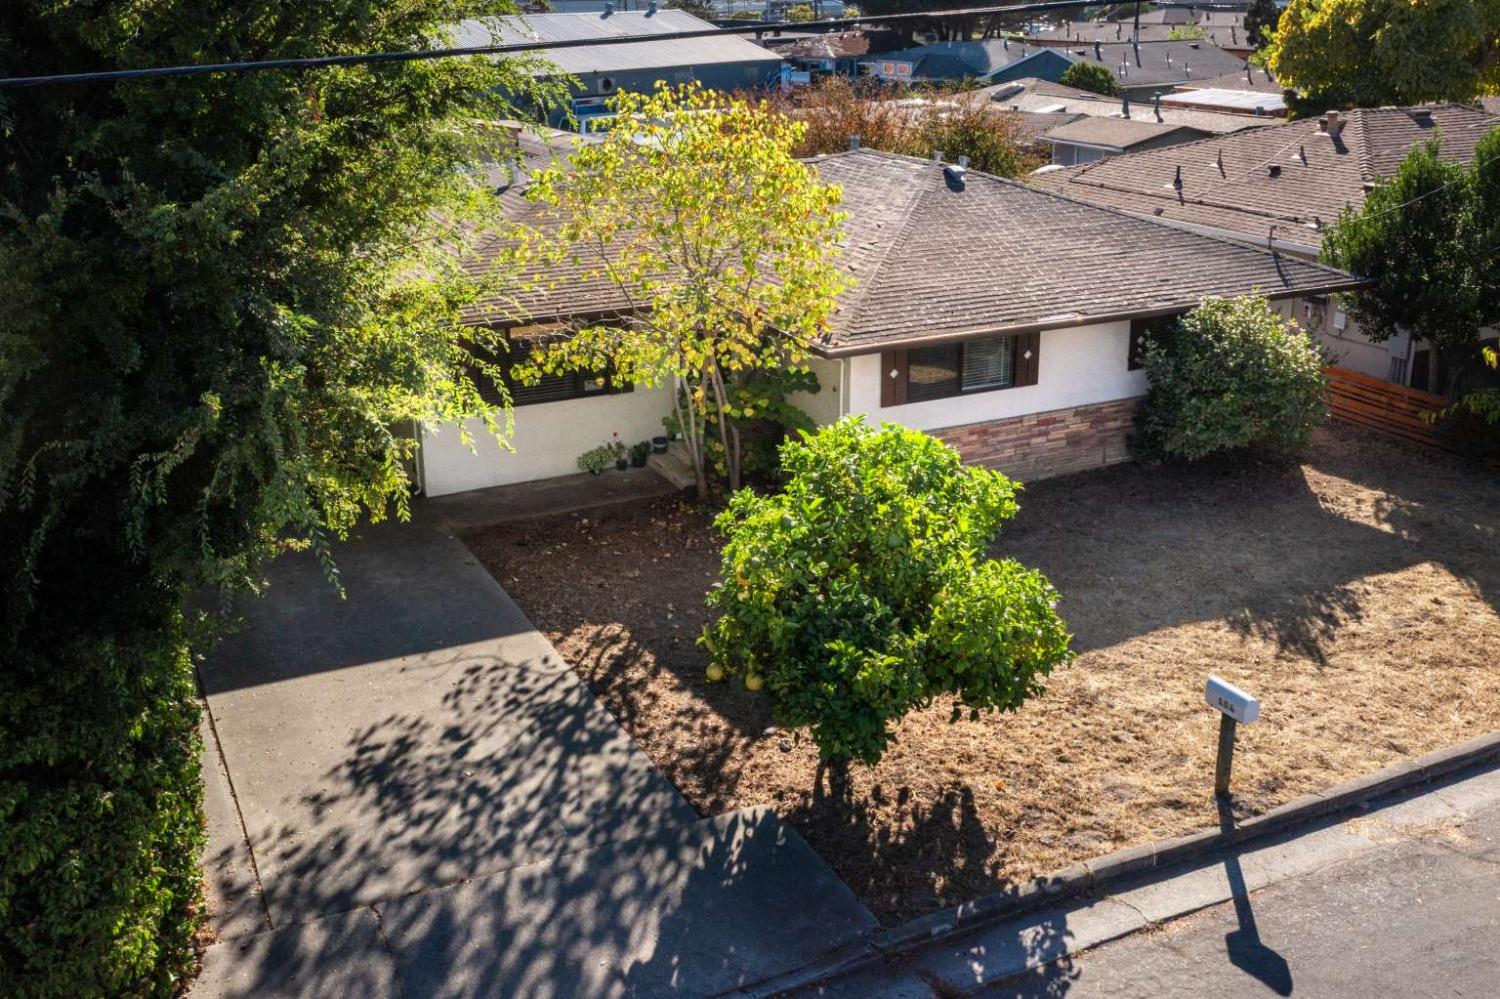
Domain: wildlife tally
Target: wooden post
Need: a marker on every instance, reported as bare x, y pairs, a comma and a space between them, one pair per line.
1226, 756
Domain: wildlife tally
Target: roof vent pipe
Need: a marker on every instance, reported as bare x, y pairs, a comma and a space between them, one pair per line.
1125, 104
937, 156
1177, 180
1098, 51
609, 7
854, 141
650, 8
1156, 105
963, 161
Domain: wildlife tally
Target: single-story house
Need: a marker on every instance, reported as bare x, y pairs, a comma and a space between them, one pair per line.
722, 62
1090, 139
1002, 318
1044, 97
1141, 69
1281, 187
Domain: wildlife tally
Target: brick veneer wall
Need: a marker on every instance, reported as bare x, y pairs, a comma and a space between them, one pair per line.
1041, 445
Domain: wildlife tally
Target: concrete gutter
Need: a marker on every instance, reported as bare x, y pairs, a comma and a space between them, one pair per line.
1105, 875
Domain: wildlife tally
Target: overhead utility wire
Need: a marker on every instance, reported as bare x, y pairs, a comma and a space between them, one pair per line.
514, 48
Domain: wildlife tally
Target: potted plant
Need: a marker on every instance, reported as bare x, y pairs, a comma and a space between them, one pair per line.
639, 453
594, 460
618, 451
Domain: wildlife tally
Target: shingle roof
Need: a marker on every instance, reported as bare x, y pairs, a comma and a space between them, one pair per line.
616, 58
1247, 77
932, 256
841, 45
1115, 133
1157, 63
1318, 176
1034, 125
1039, 95
1103, 31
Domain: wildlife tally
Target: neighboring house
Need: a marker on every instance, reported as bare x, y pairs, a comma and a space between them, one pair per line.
1090, 139
1282, 187
1042, 96
1100, 31
1142, 70
1004, 319
835, 54
1227, 100
722, 62
965, 60
1248, 77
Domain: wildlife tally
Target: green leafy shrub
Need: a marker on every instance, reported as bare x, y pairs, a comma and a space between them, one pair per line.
100, 824
1231, 373
862, 590
1091, 77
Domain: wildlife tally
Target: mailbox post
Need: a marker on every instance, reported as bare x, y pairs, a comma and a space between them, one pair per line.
1234, 706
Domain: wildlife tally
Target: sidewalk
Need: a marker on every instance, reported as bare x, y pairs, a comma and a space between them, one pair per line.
410, 793
1328, 890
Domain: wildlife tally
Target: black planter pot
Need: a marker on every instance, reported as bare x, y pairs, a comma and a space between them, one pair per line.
658, 445
638, 461
621, 464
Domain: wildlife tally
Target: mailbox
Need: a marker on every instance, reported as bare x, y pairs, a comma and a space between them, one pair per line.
1231, 701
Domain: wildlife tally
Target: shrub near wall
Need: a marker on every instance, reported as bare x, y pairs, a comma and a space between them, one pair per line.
1230, 374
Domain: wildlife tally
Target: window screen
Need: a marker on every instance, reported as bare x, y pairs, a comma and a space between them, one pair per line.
989, 364
932, 372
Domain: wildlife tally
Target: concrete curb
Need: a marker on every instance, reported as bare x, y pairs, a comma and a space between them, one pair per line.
1110, 869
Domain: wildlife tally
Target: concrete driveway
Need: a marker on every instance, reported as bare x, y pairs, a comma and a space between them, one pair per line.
409, 792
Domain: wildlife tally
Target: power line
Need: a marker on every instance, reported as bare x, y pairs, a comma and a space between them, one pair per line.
416, 55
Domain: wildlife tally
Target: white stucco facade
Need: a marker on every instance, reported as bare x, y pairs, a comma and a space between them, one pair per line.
548, 439
1076, 367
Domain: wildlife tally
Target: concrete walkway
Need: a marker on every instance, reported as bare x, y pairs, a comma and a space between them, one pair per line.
409, 792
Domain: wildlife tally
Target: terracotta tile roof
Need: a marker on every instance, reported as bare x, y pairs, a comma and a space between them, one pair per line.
1317, 177
934, 256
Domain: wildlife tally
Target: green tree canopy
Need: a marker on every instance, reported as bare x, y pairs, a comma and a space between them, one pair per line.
1427, 239
1091, 77
1260, 21
1378, 52
228, 298
863, 589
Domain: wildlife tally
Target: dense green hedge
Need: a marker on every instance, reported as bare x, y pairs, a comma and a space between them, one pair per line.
100, 816
1232, 373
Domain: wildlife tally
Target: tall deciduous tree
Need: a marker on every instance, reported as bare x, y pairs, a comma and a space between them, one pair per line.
1260, 21
227, 298
1377, 52
1419, 237
723, 243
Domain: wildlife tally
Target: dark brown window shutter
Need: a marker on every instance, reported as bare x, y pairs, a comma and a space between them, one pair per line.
892, 377
1028, 357
1139, 330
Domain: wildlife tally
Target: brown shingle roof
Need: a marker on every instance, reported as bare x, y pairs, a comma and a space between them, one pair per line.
1318, 176
1116, 133
932, 256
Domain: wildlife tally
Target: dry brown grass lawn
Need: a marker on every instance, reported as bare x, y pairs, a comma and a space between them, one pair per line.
1355, 593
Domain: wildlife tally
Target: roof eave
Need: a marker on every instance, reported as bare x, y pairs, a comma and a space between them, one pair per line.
838, 350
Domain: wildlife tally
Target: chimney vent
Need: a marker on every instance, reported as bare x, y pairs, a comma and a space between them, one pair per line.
955, 172
1098, 51
609, 7
1275, 169
854, 141
937, 156
1331, 124
1177, 180
651, 8
963, 161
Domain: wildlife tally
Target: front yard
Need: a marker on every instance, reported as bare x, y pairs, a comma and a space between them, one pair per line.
1357, 594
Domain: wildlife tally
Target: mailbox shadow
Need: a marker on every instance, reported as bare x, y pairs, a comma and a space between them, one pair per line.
1246, 950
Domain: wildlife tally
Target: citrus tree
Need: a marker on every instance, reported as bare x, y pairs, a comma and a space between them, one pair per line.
863, 590
695, 210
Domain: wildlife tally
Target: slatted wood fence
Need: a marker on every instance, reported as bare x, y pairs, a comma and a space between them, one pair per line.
1383, 406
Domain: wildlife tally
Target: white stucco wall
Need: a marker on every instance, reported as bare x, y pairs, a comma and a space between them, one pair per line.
827, 404
548, 440
1077, 367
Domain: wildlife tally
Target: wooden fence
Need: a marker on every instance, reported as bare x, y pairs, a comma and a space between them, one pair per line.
1383, 406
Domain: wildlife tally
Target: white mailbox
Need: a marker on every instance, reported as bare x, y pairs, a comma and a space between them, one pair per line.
1231, 701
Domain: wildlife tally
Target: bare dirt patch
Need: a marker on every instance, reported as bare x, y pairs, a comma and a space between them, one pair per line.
1355, 593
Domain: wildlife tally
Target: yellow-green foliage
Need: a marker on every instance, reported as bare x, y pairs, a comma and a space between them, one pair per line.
695, 209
